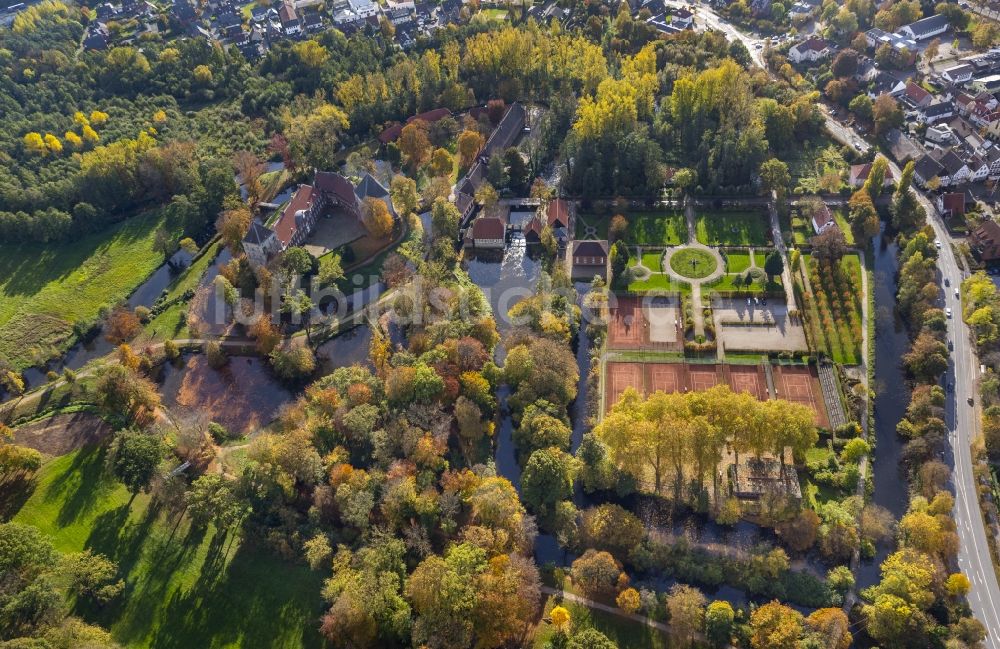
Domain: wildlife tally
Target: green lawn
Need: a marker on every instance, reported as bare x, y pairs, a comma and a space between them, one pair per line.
653, 260
47, 288
693, 262
737, 262
184, 587
732, 228
841, 218
171, 322
644, 228
731, 282
658, 282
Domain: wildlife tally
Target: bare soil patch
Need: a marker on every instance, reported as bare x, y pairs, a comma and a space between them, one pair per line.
61, 434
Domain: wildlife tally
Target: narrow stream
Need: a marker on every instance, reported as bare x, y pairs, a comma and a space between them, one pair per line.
891, 398
84, 351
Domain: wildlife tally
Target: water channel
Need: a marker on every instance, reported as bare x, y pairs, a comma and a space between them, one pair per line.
891, 398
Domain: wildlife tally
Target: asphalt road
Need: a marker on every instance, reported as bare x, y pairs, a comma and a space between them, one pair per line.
962, 419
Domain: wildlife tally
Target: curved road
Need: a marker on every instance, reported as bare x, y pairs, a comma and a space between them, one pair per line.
962, 419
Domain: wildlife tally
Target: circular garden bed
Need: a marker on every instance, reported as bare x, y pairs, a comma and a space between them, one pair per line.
693, 263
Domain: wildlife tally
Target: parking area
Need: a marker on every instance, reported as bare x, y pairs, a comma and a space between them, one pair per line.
757, 325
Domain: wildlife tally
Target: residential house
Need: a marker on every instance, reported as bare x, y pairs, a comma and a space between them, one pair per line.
289, 19
984, 241
488, 232
993, 160
951, 204
886, 84
937, 111
874, 37
955, 169
925, 28
927, 168
105, 12
823, 219
812, 49
989, 84
681, 17
979, 168
958, 74
940, 134
97, 37
363, 8
312, 22
590, 258
533, 231
859, 174
916, 96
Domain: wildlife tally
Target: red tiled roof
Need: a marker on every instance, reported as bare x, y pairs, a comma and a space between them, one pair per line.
287, 13
488, 227
916, 93
557, 213
954, 203
987, 240
330, 182
859, 174
284, 228
814, 44
431, 116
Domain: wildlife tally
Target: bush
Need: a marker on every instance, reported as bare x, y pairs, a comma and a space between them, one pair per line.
218, 432
217, 358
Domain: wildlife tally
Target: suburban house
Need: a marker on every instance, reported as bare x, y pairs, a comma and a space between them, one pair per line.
533, 231
290, 24
823, 219
951, 204
859, 174
940, 134
955, 169
993, 160
916, 96
979, 168
984, 241
958, 74
811, 49
488, 233
927, 168
988, 84
937, 111
97, 37
925, 28
590, 258
363, 8
886, 84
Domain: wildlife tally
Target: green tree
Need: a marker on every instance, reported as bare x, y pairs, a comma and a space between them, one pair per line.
774, 265
548, 478
134, 457
719, 619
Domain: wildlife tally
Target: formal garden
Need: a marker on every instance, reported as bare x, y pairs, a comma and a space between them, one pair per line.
833, 310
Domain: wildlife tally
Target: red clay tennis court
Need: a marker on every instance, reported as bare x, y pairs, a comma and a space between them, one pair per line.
800, 384
749, 378
644, 323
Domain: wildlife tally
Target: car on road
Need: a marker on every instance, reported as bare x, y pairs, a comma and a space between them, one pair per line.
947, 282
971, 401
857, 146
951, 346
956, 293
947, 312
937, 244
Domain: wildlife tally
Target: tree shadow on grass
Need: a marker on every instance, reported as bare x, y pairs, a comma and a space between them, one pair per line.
243, 596
13, 495
82, 486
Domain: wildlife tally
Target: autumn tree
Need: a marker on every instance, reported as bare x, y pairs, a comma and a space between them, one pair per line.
775, 626
598, 574
719, 619
686, 606
376, 217
122, 325
404, 194
886, 113
441, 163
830, 628
232, 226
313, 134
414, 144
470, 143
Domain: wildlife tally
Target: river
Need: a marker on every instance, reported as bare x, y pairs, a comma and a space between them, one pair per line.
891, 398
